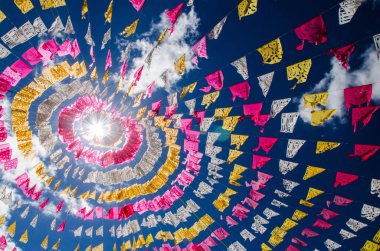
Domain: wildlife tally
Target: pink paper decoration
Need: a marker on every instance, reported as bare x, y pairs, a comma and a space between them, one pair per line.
265, 143
240, 90
173, 15
313, 31
358, 95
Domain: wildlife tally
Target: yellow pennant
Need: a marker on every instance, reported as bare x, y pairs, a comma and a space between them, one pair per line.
319, 117
12, 229
271, 52
210, 98
56, 245
179, 65
288, 224
187, 89
265, 247
45, 242
131, 29
108, 14
162, 37
137, 100
84, 9
2, 218
376, 238
89, 248
299, 215
370, 246
57, 185
275, 240
48, 4
238, 140
24, 237
312, 100
306, 203
222, 113
66, 190
94, 74
24, 5
105, 77
149, 239
299, 71
115, 247
232, 155
49, 180
77, 248
313, 192
98, 247
74, 192
312, 171
323, 146
140, 113
2, 16
246, 8
230, 123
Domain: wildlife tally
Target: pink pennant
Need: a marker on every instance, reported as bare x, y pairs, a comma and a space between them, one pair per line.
299, 241
186, 124
81, 212
43, 204
327, 214
231, 222
75, 49
220, 234
156, 107
108, 60
364, 151
309, 233
36, 195
255, 185
10, 76
113, 213
50, 46
343, 179
240, 90
61, 227
5, 152
341, 201
194, 60
123, 70
11, 164
265, 143
126, 211
263, 177
173, 15
250, 202
261, 121
343, 54
92, 56
209, 241
322, 224
59, 206
358, 95
190, 146
200, 48
32, 56
138, 73
3, 242
21, 68
255, 195
149, 91
252, 110
65, 48
193, 135
137, 4
362, 115
313, 31
199, 116
89, 215
259, 161
215, 80
170, 110
99, 212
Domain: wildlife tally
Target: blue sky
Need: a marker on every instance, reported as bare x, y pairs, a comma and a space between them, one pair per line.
238, 38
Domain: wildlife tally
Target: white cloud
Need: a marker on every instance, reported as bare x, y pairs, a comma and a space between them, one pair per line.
338, 79
174, 46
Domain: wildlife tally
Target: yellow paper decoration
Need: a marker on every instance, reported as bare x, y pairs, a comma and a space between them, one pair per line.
222, 113
66, 190
223, 200
265, 247
48, 4
298, 215
2, 218
49, 180
24, 5
84, 9
187, 89
45, 242
306, 203
370, 246
323, 146
162, 37
105, 77
230, 123
313, 192
74, 192
77, 248
238, 140
2, 16
376, 238
288, 224
56, 245
137, 100
275, 240
235, 174
89, 248
140, 113
179, 65
246, 8
299, 71
210, 98
312, 171
57, 185
108, 14
12, 229
319, 117
271, 52
279, 231
24, 237
149, 239
312, 100
232, 155
98, 247
94, 74
165, 236
131, 29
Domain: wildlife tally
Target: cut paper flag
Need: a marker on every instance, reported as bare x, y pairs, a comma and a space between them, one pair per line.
271, 52
313, 31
